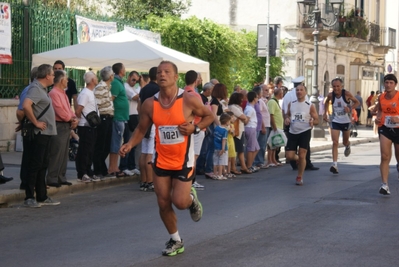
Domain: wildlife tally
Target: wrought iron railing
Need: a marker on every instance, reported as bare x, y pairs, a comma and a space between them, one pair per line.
374, 33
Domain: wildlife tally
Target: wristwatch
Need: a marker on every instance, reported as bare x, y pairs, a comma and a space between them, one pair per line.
196, 129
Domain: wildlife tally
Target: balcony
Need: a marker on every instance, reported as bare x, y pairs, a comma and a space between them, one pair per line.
327, 15
375, 33
356, 27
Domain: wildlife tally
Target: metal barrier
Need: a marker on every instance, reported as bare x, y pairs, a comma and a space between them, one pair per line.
37, 29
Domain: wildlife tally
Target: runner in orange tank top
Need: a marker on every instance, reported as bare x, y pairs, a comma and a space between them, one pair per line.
388, 128
172, 112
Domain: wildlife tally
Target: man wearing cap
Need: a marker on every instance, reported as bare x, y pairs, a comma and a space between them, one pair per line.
288, 98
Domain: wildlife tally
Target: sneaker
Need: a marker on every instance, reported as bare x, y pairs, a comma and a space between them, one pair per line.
31, 203
253, 169
128, 173
50, 202
96, 178
142, 186
86, 179
334, 169
136, 171
173, 248
299, 181
149, 187
196, 207
197, 185
384, 190
347, 151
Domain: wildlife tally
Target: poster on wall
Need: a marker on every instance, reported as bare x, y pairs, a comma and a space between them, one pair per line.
89, 30
148, 35
5, 34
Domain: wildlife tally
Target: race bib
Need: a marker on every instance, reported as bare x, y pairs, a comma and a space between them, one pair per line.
298, 117
389, 123
339, 112
170, 135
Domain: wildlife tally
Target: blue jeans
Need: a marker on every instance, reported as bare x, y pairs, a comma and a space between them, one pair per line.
127, 162
205, 158
262, 140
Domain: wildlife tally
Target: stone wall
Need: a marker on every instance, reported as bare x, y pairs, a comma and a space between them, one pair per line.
8, 119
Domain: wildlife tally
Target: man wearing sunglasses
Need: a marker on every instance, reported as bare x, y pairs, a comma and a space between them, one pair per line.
132, 86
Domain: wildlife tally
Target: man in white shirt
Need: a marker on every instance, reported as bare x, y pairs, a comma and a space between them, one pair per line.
288, 98
132, 87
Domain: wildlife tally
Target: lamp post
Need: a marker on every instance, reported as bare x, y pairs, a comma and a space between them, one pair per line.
312, 16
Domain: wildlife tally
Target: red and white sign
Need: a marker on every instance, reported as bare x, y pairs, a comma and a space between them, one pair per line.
5, 33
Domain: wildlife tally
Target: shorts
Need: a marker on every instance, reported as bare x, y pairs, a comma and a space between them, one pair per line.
198, 139
369, 115
239, 144
340, 126
118, 127
300, 140
184, 175
147, 145
220, 160
390, 133
252, 141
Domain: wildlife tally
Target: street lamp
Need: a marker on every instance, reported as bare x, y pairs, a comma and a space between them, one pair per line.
311, 13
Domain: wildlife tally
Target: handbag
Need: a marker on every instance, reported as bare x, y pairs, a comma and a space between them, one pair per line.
277, 139
28, 128
237, 127
92, 119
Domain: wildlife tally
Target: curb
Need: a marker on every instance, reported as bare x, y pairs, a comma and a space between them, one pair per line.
14, 196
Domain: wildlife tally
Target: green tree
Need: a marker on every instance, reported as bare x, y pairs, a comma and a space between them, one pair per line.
232, 55
138, 10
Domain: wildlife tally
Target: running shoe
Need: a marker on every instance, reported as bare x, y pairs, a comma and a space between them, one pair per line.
197, 185
299, 181
96, 178
128, 172
196, 207
142, 186
334, 169
149, 187
384, 189
347, 151
173, 248
136, 171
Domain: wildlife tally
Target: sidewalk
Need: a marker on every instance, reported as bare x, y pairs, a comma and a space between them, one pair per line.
10, 193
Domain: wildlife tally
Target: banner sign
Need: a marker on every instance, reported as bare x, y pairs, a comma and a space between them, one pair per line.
5, 33
148, 35
88, 30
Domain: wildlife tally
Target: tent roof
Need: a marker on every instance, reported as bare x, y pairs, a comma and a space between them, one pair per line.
133, 51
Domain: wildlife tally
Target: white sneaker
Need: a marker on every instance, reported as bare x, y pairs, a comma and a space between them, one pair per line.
128, 173
197, 185
135, 171
384, 189
86, 179
334, 169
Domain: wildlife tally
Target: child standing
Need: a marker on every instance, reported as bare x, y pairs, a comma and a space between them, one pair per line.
220, 143
231, 147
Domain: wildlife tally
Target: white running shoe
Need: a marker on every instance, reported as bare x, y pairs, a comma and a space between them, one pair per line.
384, 189
197, 185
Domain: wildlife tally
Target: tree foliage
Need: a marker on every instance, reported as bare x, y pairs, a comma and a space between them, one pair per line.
138, 10
232, 55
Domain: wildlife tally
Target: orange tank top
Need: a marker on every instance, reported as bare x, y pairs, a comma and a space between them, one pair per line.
389, 108
173, 151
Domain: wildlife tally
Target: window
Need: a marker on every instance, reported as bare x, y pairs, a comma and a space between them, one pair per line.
341, 72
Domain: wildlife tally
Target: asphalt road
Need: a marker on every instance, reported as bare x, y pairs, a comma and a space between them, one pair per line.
254, 220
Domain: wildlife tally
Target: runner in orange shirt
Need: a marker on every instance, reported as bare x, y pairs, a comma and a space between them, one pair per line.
172, 111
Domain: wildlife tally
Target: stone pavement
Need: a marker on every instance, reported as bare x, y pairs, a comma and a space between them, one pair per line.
10, 193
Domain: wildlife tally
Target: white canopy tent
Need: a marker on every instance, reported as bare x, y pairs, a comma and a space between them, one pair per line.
133, 51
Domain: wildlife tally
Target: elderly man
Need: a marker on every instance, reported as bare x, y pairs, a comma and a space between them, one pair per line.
105, 107
39, 111
71, 91
87, 134
65, 121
